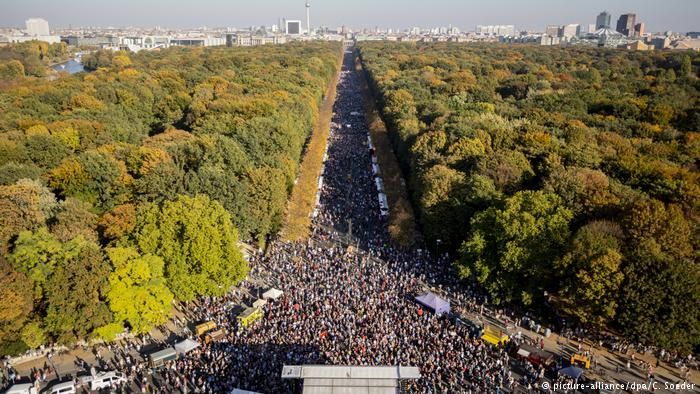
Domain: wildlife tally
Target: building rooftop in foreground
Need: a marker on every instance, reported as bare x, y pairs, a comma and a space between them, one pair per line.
335, 379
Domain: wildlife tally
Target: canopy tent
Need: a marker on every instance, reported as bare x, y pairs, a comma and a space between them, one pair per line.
186, 346
433, 302
239, 391
572, 372
273, 294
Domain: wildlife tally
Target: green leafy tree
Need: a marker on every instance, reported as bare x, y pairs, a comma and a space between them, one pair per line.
196, 239
661, 288
511, 250
592, 273
138, 293
11, 70
46, 151
75, 293
36, 254
33, 335
12, 172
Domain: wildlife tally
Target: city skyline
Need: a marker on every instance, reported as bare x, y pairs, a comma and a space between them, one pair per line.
676, 15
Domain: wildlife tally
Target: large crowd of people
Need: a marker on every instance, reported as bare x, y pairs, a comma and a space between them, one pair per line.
353, 305
345, 305
348, 298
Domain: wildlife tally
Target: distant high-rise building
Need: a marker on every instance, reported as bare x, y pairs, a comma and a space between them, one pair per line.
308, 17
293, 27
37, 27
625, 24
603, 20
571, 30
496, 30
591, 28
639, 29
552, 31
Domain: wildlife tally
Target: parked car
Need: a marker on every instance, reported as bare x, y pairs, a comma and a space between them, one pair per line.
61, 388
103, 380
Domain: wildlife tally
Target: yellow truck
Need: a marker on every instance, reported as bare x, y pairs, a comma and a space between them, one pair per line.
203, 328
494, 336
580, 360
249, 316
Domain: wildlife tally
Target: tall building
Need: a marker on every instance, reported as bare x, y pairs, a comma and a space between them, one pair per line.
625, 24
37, 27
639, 29
571, 30
603, 20
308, 17
292, 27
552, 31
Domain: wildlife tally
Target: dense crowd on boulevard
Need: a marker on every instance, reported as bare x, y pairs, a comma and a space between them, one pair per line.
343, 306
346, 307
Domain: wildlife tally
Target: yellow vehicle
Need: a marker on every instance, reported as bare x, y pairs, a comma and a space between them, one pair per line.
203, 328
580, 360
249, 316
494, 336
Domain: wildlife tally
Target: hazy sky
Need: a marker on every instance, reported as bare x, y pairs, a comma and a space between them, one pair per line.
659, 15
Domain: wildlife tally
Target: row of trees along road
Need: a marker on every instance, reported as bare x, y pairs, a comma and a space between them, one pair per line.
571, 172
129, 186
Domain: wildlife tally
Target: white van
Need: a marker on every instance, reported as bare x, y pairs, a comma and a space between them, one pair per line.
61, 388
103, 380
22, 388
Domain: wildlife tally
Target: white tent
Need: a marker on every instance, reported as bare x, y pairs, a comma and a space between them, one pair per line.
186, 346
239, 391
273, 294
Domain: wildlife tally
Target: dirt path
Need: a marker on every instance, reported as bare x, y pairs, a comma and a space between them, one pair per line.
402, 221
303, 199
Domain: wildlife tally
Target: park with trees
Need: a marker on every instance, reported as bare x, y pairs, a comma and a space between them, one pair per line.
558, 179
129, 187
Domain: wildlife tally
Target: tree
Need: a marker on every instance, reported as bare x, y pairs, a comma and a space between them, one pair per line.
11, 70
265, 201
33, 335
196, 239
582, 190
36, 254
659, 299
74, 218
75, 293
510, 250
12, 172
118, 222
46, 151
661, 288
94, 177
17, 302
686, 67
138, 293
26, 205
591, 272
508, 169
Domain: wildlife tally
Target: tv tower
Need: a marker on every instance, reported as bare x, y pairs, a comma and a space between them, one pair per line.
308, 18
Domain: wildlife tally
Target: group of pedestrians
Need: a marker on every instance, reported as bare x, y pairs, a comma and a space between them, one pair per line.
349, 300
